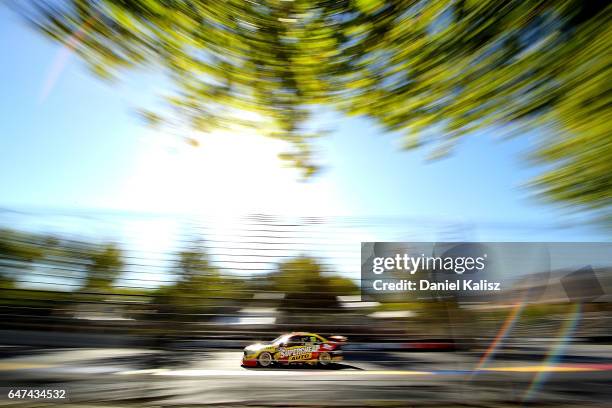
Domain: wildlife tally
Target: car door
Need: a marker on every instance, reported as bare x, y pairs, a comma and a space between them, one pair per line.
291, 350
309, 345
312, 345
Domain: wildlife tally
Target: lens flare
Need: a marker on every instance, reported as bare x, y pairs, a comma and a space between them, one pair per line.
555, 353
61, 60
502, 333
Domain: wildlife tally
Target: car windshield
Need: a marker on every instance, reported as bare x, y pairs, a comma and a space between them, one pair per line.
280, 339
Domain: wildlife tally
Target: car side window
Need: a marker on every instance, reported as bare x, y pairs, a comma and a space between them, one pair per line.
294, 341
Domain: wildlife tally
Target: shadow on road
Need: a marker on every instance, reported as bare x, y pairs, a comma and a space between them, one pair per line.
334, 366
153, 360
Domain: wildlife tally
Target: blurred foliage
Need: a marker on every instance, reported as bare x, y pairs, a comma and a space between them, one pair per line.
104, 267
89, 272
17, 252
25, 257
433, 70
306, 286
199, 287
52, 283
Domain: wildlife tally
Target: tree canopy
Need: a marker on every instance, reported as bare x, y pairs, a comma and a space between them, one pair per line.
199, 286
104, 266
305, 284
432, 70
17, 252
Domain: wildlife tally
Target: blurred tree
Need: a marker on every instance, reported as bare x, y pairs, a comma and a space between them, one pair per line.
433, 70
199, 287
18, 251
104, 265
305, 285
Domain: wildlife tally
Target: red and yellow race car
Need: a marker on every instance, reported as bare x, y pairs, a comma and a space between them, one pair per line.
296, 347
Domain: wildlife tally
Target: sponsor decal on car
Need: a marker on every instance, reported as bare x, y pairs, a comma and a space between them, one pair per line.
295, 351
296, 357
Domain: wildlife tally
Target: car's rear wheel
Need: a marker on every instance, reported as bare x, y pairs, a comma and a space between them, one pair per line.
325, 359
265, 359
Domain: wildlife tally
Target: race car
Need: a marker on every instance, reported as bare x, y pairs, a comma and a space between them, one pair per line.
296, 347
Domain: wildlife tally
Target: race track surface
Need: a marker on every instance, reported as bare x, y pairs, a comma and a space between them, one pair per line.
111, 377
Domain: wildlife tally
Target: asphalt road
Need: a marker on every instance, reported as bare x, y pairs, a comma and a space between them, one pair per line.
104, 377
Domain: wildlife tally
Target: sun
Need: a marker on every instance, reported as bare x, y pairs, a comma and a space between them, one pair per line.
222, 174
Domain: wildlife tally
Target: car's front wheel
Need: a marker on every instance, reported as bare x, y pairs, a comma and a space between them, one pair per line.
325, 359
265, 359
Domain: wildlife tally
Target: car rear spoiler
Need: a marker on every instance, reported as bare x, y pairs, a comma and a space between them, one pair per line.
339, 339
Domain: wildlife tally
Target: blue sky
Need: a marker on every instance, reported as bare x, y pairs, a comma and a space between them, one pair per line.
69, 140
